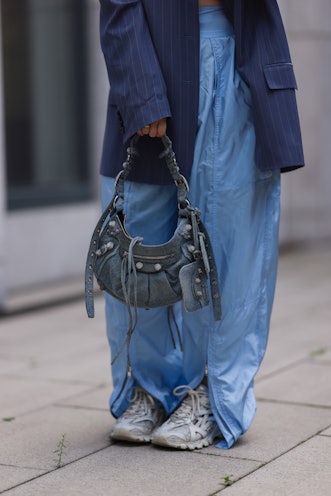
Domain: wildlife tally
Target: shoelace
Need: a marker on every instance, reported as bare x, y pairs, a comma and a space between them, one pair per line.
191, 405
140, 401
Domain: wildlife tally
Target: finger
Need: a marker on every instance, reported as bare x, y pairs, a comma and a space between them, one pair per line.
161, 128
153, 130
146, 130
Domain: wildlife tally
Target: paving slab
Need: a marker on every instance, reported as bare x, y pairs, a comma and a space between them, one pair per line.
327, 432
30, 441
304, 471
290, 343
301, 317
303, 304
309, 273
98, 398
57, 344
19, 396
307, 383
303, 287
139, 471
11, 365
322, 354
276, 429
12, 476
86, 366
52, 332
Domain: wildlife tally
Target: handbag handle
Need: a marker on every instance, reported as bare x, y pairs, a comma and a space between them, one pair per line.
169, 155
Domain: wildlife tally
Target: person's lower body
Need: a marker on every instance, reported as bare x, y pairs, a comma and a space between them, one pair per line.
239, 205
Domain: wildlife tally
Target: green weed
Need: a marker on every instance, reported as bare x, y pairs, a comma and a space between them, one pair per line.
60, 451
227, 480
318, 352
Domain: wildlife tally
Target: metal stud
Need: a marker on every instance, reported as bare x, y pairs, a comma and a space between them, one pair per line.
191, 248
112, 223
198, 280
157, 266
139, 265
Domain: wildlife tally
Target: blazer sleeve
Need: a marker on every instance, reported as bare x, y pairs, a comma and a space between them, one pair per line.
137, 87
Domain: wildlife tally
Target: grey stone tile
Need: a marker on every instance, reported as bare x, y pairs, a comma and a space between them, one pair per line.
301, 316
12, 365
276, 429
322, 354
327, 432
12, 476
30, 441
295, 341
53, 332
97, 398
303, 287
54, 343
87, 366
307, 383
139, 471
19, 396
301, 472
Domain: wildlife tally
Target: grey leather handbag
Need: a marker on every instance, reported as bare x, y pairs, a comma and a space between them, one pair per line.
152, 276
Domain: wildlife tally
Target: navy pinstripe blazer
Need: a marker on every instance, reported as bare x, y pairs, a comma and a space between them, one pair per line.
151, 49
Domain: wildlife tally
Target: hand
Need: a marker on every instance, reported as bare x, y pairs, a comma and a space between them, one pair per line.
156, 129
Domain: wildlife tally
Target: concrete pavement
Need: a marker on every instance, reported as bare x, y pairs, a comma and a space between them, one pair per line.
54, 378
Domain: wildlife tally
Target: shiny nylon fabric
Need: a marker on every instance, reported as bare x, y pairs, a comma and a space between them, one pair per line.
240, 207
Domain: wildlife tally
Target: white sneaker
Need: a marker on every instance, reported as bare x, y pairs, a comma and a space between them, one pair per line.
139, 420
192, 425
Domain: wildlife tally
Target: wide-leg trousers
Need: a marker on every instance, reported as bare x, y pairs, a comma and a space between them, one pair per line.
239, 205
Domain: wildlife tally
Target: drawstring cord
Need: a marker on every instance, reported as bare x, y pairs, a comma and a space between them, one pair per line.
172, 318
129, 283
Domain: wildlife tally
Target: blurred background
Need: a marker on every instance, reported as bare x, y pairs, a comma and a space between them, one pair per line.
53, 91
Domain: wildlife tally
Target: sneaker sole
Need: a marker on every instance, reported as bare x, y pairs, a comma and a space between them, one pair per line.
123, 435
201, 443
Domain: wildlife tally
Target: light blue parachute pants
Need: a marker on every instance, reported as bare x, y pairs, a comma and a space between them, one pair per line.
239, 205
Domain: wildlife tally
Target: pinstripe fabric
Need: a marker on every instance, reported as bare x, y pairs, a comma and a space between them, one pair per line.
173, 27
151, 49
263, 60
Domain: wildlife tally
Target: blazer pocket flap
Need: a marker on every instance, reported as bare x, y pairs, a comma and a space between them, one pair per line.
280, 76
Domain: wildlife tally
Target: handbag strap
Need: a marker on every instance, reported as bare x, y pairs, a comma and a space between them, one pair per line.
91, 257
212, 272
168, 154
